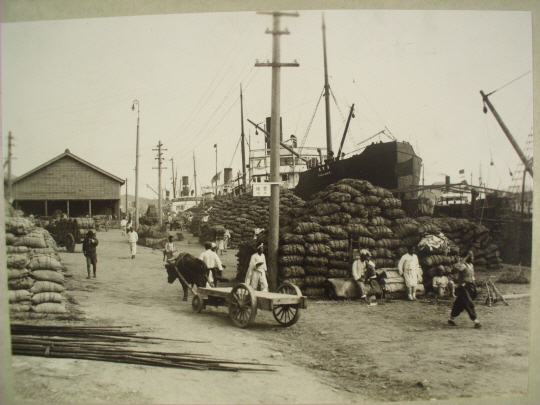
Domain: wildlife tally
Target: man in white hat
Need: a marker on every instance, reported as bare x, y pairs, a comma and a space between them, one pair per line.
363, 271
256, 274
212, 261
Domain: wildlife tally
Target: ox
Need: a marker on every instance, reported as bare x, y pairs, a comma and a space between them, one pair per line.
193, 270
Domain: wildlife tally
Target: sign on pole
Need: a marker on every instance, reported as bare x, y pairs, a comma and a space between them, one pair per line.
263, 189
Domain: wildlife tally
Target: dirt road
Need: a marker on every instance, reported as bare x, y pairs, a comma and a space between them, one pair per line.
339, 351
136, 292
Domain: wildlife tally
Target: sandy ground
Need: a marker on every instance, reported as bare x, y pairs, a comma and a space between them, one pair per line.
339, 351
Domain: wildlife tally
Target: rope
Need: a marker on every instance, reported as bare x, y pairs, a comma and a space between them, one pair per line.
234, 154
509, 83
309, 126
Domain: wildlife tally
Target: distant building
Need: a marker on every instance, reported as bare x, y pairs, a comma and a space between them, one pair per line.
69, 184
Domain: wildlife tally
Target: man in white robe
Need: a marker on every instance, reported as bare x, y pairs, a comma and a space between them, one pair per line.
256, 274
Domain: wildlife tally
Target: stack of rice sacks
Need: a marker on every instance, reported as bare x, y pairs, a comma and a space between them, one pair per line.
242, 214
35, 278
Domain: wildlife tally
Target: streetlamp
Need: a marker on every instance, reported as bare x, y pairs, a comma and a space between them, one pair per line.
136, 102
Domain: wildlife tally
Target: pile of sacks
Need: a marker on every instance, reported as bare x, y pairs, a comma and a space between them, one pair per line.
243, 214
78, 227
318, 245
35, 278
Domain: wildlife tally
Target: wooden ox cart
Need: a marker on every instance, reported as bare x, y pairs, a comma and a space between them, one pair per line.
243, 302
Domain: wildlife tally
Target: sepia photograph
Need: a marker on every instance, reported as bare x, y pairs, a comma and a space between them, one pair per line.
268, 202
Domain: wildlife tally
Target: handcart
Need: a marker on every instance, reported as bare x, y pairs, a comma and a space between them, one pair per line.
243, 302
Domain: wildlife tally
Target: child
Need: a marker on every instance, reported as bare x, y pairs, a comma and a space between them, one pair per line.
168, 253
410, 269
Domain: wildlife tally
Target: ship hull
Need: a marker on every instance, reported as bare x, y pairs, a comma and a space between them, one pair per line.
391, 165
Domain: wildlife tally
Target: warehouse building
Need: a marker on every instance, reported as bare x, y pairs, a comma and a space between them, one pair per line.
68, 184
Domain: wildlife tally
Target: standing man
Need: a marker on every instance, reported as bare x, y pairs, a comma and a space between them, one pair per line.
123, 224
133, 238
409, 268
256, 274
465, 291
89, 247
226, 239
212, 261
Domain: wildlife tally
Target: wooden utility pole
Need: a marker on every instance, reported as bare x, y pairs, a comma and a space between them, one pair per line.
137, 168
127, 206
273, 226
195, 179
526, 162
243, 140
173, 179
159, 168
10, 155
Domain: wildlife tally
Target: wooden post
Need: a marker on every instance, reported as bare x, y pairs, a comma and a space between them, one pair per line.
273, 226
90, 208
46, 213
67, 208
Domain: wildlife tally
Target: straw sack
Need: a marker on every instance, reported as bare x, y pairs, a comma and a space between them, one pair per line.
293, 238
24, 283
364, 241
338, 273
338, 197
10, 238
292, 249
316, 270
47, 286
304, 228
18, 225
50, 308
44, 262
326, 209
292, 271
19, 307
48, 275
31, 241
317, 237
317, 249
291, 260
17, 273
297, 281
315, 261
342, 244
17, 261
313, 291
314, 281
47, 297
17, 249
19, 295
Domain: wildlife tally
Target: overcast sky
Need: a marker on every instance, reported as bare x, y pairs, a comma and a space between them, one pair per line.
71, 84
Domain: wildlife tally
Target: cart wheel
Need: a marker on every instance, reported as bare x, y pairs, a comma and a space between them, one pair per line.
287, 315
70, 243
242, 305
197, 303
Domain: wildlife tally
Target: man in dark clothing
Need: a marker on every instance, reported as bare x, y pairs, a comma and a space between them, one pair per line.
89, 247
465, 291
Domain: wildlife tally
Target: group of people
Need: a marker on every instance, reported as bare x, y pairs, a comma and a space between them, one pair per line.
463, 289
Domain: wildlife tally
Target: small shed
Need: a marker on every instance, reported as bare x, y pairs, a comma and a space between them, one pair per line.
69, 184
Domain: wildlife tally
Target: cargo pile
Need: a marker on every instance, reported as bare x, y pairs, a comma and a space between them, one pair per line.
35, 278
78, 227
320, 238
243, 214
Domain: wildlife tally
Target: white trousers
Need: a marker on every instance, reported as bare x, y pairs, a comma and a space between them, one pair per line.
133, 246
256, 278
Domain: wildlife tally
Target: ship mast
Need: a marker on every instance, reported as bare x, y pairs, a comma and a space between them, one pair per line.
329, 151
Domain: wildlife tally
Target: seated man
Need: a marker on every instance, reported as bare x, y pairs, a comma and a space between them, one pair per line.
441, 283
363, 271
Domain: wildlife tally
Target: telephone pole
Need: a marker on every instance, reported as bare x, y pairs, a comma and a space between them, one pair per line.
273, 226
243, 140
159, 168
127, 206
173, 179
10, 157
195, 179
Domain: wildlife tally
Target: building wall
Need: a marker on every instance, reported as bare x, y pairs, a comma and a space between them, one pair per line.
67, 179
